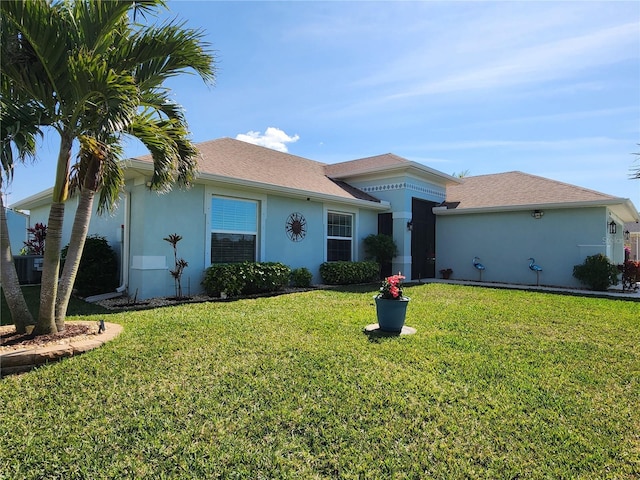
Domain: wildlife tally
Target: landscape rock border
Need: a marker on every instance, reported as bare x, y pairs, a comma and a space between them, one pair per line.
25, 359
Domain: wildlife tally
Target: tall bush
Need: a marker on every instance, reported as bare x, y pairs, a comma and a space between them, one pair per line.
597, 272
98, 270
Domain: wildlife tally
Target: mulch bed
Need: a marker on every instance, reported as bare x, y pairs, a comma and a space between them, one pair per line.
10, 338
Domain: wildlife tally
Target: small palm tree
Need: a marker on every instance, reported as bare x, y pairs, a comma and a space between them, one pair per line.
180, 263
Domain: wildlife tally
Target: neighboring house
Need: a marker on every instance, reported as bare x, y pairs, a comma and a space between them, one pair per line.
632, 239
254, 203
17, 224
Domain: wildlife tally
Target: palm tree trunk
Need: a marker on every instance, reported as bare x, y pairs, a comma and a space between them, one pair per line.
51, 261
20, 313
74, 254
50, 269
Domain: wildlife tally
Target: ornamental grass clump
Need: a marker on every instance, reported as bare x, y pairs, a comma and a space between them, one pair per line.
391, 288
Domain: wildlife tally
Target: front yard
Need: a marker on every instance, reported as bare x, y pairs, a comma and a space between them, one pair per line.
494, 384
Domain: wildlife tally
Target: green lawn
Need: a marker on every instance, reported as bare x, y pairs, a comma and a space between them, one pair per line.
495, 384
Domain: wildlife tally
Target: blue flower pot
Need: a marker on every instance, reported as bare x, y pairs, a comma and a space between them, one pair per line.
391, 313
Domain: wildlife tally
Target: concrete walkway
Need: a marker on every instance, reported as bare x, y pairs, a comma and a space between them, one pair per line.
613, 292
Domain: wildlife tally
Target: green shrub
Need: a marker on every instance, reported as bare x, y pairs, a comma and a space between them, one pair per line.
98, 269
245, 278
347, 273
597, 272
380, 248
301, 277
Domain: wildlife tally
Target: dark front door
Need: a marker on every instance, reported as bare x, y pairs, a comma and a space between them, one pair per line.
385, 226
423, 239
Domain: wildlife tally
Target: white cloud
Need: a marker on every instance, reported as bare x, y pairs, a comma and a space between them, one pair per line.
273, 138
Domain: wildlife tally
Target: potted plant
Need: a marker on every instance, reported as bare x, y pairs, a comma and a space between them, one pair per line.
391, 304
446, 273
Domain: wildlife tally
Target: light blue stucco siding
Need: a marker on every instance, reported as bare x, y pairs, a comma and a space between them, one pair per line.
307, 252
400, 191
154, 217
108, 225
505, 241
17, 224
273, 243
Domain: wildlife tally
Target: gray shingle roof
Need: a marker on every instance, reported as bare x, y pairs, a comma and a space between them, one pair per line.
227, 158
512, 189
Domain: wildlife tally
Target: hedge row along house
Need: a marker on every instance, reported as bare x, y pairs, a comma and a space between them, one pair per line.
251, 203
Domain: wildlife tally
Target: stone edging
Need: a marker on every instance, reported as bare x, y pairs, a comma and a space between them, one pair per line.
17, 361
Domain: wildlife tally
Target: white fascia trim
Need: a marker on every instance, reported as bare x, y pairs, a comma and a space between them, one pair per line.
624, 207
39, 199
403, 168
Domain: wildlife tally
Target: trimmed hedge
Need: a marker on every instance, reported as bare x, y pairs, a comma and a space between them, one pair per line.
245, 278
347, 273
301, 277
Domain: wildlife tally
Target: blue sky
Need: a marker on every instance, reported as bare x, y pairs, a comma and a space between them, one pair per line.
548, 88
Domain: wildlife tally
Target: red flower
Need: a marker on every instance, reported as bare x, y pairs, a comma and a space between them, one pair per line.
391, 288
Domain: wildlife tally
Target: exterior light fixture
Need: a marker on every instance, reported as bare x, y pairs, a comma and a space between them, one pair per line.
537, 214
613, 228
410, 225
627, 235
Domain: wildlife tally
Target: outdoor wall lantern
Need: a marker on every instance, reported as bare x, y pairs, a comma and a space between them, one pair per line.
627, 235
537, 214
613, 228
410, 225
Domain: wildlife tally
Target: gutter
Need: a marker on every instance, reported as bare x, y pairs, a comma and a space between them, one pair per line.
625, 208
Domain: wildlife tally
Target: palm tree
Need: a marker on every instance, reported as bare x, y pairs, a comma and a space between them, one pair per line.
18, 131
99, 77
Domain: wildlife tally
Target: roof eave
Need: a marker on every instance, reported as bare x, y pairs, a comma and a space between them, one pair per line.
622, 207
34, 201
292, 192
402, 168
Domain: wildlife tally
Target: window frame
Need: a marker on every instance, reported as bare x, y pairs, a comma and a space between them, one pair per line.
352, 216
260, 202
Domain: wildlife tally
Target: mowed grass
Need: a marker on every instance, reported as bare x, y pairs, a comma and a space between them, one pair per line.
494, 384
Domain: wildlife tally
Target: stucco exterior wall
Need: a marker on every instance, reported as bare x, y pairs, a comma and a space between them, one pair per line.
504, 241
399, 191
188, 213
154, 217
17, 224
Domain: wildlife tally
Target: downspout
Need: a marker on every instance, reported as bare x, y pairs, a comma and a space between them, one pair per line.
124, 247
124, 258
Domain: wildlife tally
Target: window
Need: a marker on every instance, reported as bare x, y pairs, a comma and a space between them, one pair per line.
234, 230
339, 236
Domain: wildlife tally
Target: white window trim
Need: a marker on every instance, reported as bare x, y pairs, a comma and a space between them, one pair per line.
354, 228
235, 195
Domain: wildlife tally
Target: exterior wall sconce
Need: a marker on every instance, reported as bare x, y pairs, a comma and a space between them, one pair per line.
627, 235
410, 225
613, 228
537, 214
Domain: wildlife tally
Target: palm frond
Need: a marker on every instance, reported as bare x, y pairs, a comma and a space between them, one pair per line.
168, 50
